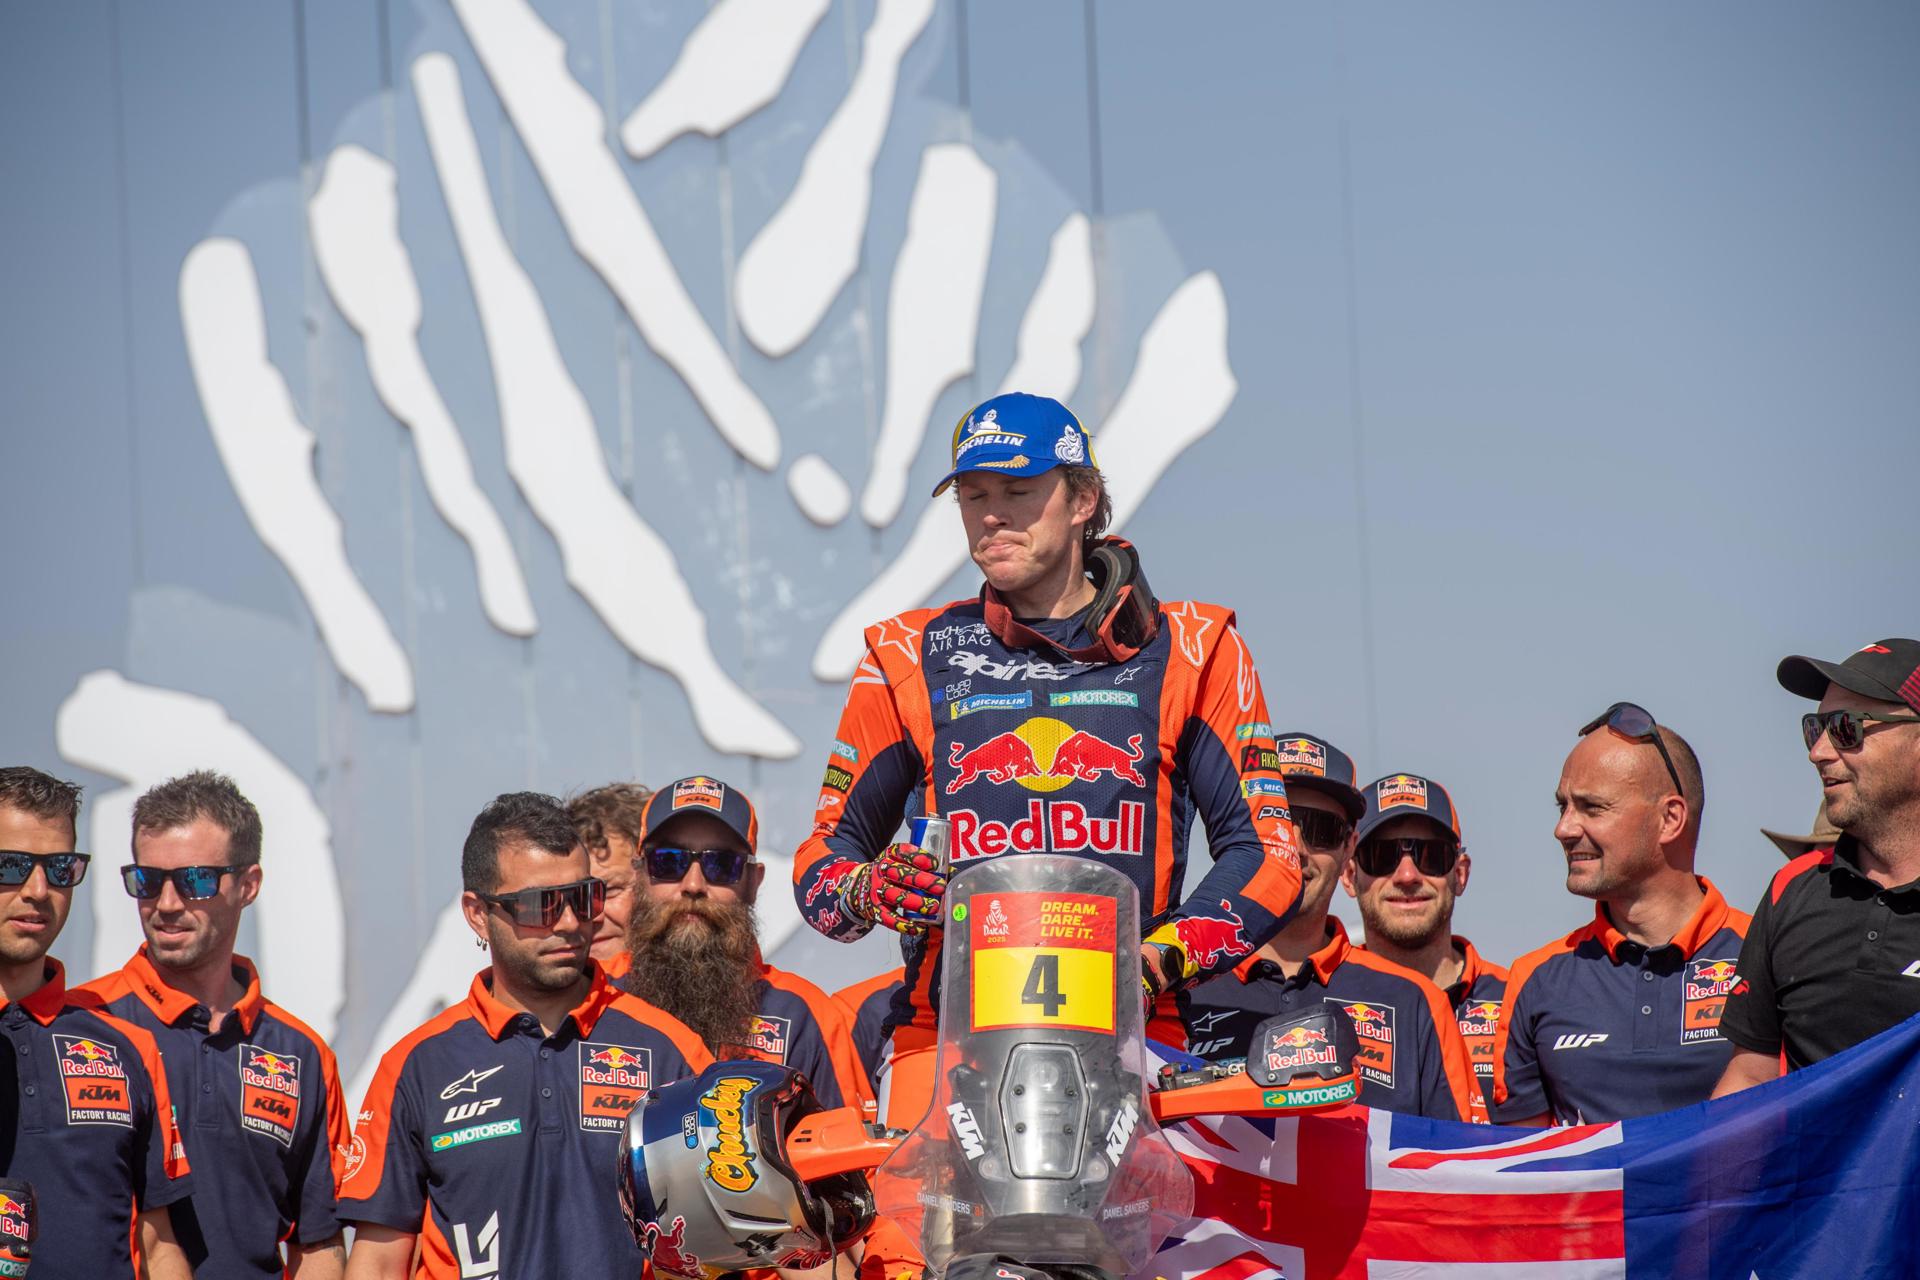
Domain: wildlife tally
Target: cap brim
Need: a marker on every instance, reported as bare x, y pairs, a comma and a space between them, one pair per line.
1792, 846
1349, 799
1374, 822
1808, 678
992, 466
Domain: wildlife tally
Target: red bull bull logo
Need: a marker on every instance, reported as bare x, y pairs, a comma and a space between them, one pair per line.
1207, 940
1402, 789
1044, 754
1050, 826
1300, 1047
1303, 755
668, 1248
827, 884
1479, 1018
616, 1065
612, 1079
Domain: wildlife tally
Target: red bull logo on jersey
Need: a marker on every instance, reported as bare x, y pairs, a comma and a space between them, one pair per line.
1374, 1025
95, 1080
1704, 994
668, 1248
612, 1079
1044, 754
1479, 1018
269, 1093
1208, 940
1050, 826
769, 1035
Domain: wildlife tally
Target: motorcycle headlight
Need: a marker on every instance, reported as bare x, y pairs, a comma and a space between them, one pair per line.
1043, 1111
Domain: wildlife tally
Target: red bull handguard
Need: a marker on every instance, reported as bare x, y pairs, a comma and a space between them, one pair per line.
901, 890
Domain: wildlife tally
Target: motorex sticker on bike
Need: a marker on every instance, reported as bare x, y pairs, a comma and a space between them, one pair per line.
1043, 960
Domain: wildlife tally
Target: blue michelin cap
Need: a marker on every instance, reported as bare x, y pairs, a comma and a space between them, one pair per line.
1017, 435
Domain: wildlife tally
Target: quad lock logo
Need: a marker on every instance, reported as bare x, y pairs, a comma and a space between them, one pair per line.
730, 1159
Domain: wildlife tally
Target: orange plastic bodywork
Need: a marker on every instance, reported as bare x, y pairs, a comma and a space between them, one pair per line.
837, 1141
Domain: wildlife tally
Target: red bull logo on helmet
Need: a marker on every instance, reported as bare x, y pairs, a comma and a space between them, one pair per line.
668, 1249
1207, 940
1044, 754
1050, 826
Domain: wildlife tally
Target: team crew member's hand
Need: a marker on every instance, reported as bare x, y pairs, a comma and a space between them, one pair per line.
901, 890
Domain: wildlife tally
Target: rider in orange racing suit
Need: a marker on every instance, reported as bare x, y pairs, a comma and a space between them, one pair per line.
1062, 711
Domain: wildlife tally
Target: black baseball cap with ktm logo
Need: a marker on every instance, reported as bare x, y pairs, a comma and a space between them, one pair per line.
1887, 670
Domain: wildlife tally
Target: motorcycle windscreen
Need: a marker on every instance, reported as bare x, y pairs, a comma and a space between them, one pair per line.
1039, 1144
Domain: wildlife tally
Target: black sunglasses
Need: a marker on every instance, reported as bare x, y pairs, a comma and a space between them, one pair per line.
1319, 829
1431, 857
193, 883
669, 865
64, 870
1846, 729
1636, 722
542, 908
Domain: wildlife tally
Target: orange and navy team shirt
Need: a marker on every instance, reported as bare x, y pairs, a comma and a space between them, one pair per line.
1025, 751
1599, 1028
96, 1135
495, 1142
1476, 999
1411, 1059
798, 1024
259, 1102
870, 1006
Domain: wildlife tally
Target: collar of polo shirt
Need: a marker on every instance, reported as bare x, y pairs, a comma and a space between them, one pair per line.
170, 1004
1707, 919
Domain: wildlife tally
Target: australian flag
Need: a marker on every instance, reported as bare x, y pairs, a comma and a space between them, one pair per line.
1813, 1175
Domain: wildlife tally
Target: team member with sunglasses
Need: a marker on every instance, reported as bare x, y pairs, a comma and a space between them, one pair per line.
1408, 870
94, 1134
487, 1139
257, 1090
691, 947
1834, 953
1621, 1017
1411, 1059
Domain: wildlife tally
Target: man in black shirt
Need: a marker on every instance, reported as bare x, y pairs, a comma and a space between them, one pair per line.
1833, 955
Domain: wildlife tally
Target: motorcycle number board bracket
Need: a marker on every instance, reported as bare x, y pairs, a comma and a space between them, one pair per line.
1043, 960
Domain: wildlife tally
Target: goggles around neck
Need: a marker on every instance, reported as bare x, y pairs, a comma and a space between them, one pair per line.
1123, 617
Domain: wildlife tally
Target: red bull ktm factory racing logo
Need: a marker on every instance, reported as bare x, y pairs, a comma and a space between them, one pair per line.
1374, 1025
269, 1093
96, 1081
1479, 1022
612, 1079
1704, 998
1044, 755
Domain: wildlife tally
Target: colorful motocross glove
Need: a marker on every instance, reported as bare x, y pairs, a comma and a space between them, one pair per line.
901, 890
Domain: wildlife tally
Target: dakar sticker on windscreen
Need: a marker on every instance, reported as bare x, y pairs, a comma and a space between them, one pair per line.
1043, 960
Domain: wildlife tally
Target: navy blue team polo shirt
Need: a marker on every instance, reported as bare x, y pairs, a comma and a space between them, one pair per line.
495, 1142
259, 1103
1411, 1057
96, 1136
1599, 1028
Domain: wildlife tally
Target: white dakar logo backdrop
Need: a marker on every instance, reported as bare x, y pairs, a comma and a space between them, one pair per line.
787, 292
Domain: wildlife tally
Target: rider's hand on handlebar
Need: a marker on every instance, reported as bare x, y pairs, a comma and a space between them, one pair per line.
901, 890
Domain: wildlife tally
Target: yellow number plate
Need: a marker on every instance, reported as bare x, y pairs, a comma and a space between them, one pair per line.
1043, 960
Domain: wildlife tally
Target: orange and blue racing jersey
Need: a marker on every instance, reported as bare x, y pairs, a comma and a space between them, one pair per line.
259, 1100
1024, 750
94, 1133
494, 1142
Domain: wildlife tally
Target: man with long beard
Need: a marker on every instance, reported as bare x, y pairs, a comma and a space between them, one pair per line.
692, 948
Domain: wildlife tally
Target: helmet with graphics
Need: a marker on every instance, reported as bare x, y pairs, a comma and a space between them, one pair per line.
706, 1185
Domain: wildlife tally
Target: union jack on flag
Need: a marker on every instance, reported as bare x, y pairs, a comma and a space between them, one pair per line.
1813, 1175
